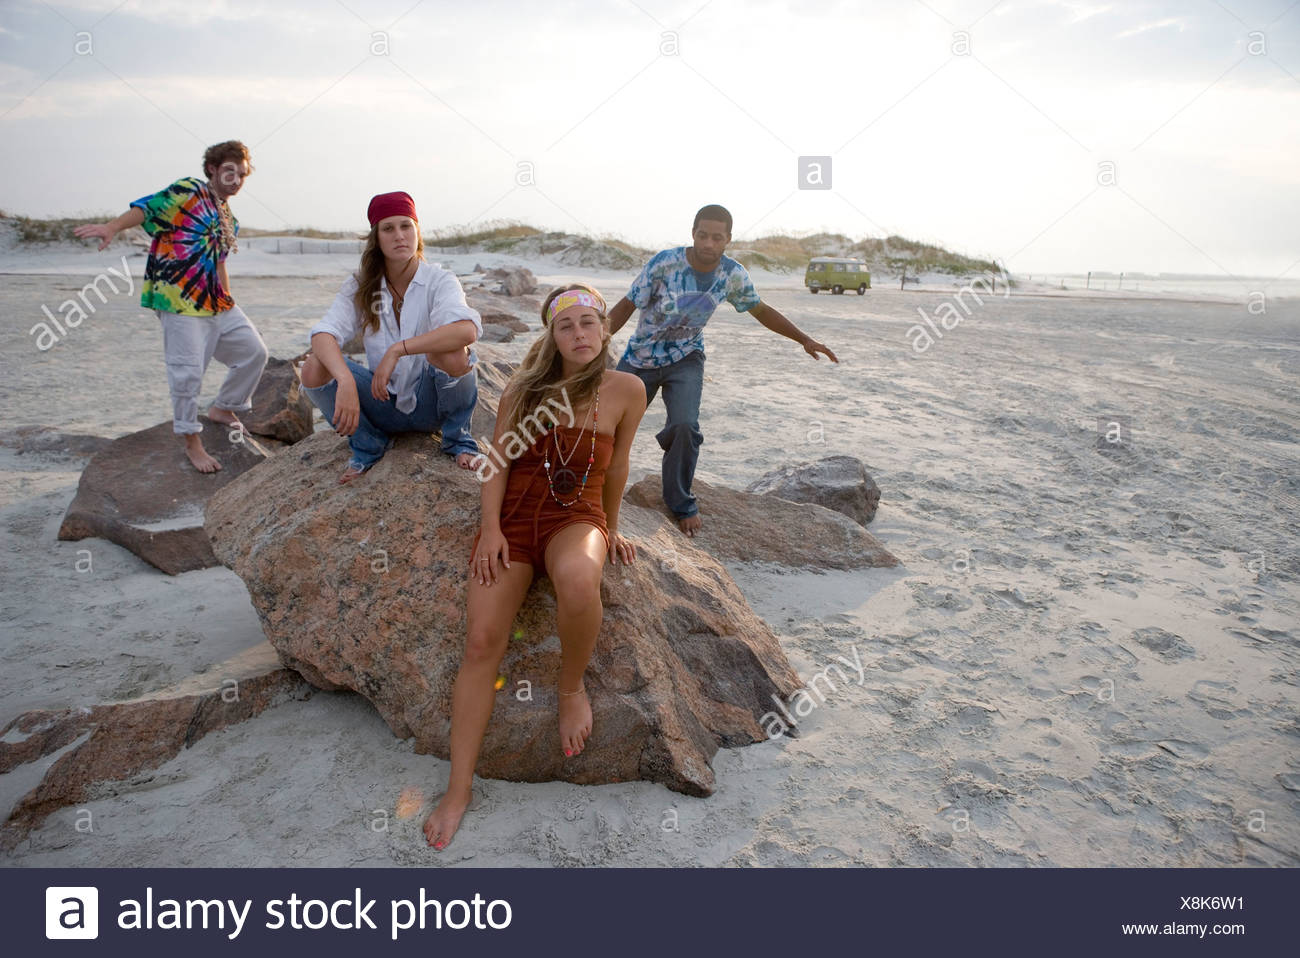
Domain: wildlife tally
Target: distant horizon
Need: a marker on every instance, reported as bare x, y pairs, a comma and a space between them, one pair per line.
427, 232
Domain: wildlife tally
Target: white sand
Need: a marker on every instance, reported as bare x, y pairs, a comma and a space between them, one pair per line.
1087, 658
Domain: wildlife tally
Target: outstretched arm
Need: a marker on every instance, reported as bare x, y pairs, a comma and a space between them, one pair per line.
104, 232
777, 323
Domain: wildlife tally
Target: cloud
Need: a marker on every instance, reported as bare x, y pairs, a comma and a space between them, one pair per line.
1178, 22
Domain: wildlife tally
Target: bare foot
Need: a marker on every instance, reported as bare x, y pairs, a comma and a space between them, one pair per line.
199, 456
443, 821
468, 460
350, 473
575, 721
690, 525
226, 417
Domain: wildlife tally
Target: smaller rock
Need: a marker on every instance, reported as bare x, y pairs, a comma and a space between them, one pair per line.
281, 409
141, 492
494, 318
751, 528
836, 482
115, 742
51, 442
513, 281
489, 304
496, 333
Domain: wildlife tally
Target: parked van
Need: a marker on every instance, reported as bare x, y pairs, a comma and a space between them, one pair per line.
837, 275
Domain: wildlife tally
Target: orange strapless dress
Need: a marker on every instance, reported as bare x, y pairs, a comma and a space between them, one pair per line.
530, 516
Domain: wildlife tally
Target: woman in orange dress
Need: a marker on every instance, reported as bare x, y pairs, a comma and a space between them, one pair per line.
553, 510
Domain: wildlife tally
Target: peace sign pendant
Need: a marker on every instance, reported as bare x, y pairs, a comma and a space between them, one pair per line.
564, 481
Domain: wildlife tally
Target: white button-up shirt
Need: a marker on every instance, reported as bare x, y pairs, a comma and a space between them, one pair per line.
434, 298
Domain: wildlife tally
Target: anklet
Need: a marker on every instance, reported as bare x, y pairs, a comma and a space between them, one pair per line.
575, 692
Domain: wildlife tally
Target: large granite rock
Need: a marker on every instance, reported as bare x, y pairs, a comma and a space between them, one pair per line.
362, 586
836, 482
141, 492
121, 741
280, 408
748, 527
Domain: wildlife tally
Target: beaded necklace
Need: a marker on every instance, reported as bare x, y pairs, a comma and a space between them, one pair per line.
228, 241
400, 300
564, 477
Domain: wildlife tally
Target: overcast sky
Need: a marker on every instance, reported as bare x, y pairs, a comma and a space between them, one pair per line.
991, 128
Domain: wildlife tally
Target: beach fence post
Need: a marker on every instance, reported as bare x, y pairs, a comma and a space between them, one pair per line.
1088, 285
1120, 284
902, 279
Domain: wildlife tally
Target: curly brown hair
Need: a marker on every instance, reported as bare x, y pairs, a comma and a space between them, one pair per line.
220, 153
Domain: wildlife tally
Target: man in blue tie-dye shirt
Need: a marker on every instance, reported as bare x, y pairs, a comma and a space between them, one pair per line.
677, 292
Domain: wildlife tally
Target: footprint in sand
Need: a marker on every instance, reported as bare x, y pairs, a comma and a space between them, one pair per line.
1273, 634
977, 768
1165, 644
940, 597
1188, 751
1216, 699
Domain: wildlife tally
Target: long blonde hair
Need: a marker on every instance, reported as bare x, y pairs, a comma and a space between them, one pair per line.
540, 375
369, 275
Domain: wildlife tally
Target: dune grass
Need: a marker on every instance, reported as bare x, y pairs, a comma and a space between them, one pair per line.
779, 252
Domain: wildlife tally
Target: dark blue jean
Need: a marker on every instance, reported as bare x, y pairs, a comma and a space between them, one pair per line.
680, 439
440, 401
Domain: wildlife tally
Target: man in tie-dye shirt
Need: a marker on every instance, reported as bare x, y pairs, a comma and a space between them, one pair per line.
188, 288
677, 292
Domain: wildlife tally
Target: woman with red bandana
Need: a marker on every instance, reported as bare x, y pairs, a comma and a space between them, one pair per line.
417, 330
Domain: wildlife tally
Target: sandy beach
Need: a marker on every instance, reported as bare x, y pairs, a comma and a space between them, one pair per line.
1087, 658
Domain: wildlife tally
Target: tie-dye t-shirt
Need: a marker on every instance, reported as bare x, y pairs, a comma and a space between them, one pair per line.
675, 304
181, 275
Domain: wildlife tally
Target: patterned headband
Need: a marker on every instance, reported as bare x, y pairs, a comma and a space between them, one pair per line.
573, 297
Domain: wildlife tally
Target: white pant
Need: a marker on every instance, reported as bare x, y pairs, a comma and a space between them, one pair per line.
191, 342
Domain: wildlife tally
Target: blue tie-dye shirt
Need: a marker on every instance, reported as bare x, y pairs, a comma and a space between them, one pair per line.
674, 308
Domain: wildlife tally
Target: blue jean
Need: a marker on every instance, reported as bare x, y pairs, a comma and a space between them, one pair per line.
440, 401
680, 439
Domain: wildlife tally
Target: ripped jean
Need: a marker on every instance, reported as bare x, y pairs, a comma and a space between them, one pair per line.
441, 401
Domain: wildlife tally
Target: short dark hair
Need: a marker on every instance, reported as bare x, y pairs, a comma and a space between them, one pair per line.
712, 212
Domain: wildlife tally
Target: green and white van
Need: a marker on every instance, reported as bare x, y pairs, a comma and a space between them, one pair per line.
837, 275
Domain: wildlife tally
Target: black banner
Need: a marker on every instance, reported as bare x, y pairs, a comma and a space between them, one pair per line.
646, 912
